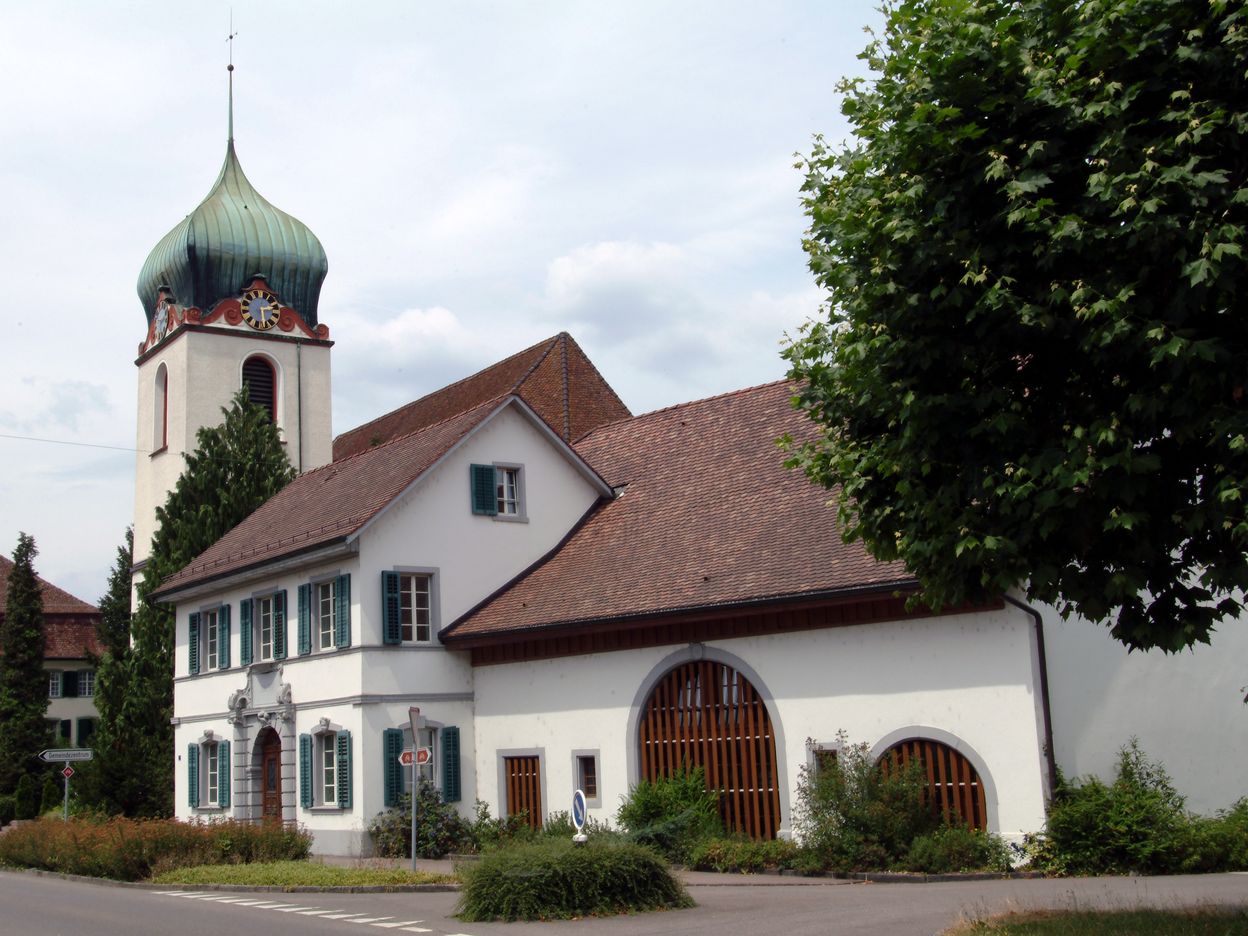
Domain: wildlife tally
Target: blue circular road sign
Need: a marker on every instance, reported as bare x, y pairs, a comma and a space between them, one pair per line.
578, 810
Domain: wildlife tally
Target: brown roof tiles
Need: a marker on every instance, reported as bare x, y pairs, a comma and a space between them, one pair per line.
69, 623
709, 516
553, 376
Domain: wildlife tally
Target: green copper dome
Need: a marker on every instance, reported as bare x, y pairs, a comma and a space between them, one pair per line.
234, 234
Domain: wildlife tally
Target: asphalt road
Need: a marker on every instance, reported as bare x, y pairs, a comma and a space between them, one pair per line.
33, 905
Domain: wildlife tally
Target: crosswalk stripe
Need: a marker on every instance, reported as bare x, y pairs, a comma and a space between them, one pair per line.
341, 916
316, 912
416, 929
295, 908
249, 903
400, 923
173, 893
271, 905
230, 899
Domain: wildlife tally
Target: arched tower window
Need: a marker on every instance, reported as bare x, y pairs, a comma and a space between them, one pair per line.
160, 410
261, 383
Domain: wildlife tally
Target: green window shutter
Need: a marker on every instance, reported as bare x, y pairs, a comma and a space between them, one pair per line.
223, 641
342, 611
391, 769
305, 771
279, 625
86, 728
305, 619
192, 644
224, 773
192, 775
484, 494
66, 726
344, 769
450, 765
244, 631
69, 684
392, 629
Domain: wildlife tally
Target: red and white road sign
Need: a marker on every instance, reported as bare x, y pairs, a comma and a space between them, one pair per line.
67, 772
422, 756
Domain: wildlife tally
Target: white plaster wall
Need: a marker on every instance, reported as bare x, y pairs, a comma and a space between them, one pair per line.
966, 676
205, 371
1186, 709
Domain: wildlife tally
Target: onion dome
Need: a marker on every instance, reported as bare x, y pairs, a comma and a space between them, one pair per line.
232, 236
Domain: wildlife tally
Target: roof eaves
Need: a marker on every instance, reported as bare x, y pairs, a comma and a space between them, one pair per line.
520, 633
176, 591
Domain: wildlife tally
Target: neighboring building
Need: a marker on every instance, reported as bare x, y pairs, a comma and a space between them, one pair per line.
576, 597
71, 639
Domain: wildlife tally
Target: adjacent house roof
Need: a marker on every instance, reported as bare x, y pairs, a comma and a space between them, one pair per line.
69, 623
708, 517
554, 377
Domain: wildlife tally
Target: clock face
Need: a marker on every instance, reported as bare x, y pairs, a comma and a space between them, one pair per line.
260, 309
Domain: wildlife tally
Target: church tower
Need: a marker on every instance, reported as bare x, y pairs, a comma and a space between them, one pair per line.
230, 296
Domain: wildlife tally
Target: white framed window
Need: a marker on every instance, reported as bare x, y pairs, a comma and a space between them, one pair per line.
498, 491
416, 607
327, 768
212, 769
323, 613
264, 628
507, 486
86, 683
208, 772
586, 774
212, 638
55, 684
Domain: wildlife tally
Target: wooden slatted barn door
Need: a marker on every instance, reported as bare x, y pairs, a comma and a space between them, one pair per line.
524, 787
952, 782
706, 714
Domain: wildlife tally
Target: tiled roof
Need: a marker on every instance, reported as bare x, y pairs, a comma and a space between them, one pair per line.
709, 517
55, 600
68, 622
328, 504
70, 638
554, 377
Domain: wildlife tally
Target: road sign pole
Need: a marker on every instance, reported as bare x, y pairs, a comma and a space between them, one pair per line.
67, 776
413, 716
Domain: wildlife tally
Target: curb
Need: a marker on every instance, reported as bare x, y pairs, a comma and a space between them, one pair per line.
243, 888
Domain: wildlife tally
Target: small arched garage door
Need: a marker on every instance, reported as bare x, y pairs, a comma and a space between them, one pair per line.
707, 714
953, 785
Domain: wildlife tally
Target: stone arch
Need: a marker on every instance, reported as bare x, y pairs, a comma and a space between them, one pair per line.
958, 777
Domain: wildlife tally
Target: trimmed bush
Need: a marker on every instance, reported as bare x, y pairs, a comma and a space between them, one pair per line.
8, 810
26, 798
555, 879
133, 850
486, 831
52, 796
672, 814
853, 816
439, 831
744, 856
956, 848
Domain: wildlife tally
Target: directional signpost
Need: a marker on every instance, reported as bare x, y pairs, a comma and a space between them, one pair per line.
417, 722
66, 754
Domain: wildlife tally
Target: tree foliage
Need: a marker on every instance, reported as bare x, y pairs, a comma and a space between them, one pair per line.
23, 680
235, 468
1033, 360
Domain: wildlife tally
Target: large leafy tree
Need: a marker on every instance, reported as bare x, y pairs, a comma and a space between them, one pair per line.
23, 681
235, 468
1032, 365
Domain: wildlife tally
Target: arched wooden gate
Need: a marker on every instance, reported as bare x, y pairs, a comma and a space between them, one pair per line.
953, 784
706, 714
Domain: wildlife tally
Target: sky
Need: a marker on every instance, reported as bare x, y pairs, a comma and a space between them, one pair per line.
481, 175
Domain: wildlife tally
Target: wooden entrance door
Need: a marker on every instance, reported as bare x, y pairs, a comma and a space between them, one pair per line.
524, 788
271, 776
706, 714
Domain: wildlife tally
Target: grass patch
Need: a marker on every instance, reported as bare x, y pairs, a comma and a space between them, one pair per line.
298, 874
555, 879
1203, 922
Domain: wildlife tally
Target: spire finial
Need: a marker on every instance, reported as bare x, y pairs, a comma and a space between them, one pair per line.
230, 68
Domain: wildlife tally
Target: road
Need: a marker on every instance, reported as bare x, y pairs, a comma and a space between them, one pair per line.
49, 906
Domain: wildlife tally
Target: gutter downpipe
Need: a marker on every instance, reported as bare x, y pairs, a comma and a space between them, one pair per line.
299, 400
1046, 713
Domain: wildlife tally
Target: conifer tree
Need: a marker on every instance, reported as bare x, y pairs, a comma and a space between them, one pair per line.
234, 469
108, 781
23, 681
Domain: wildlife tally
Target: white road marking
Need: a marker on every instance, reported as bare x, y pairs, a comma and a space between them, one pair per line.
372, 919
192, 894
249, 903
400, 923
173, 893
416, 929
295, 908
342, 916
230, 899
271, 905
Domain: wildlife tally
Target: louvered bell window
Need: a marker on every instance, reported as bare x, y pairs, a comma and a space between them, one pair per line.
261, 385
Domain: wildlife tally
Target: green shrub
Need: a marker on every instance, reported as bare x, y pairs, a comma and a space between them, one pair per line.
554, 879
1219, 843
8, 810
744, 856
52, 797
132, 850
672, 814
26, 797
954, 848
853, 816
440, 829
1134, 825
486, 832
